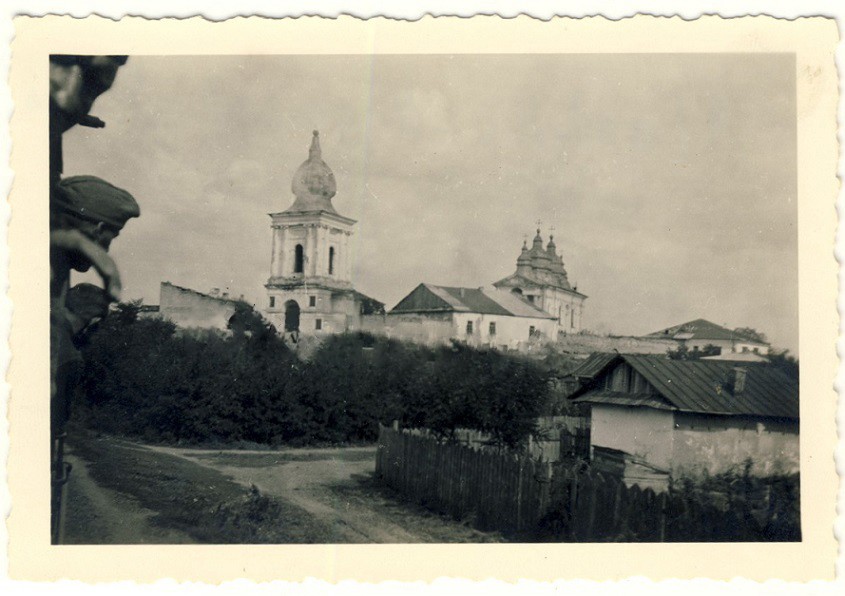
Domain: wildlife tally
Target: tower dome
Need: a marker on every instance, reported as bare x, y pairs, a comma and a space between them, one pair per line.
313, 183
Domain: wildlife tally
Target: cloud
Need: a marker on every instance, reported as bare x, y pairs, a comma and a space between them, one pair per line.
670, 179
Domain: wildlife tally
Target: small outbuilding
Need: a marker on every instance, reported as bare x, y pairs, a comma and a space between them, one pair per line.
653, 418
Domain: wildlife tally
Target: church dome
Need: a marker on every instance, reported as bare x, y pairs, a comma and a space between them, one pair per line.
313, 183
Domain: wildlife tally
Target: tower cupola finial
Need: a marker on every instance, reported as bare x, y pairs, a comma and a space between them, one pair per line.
315, 152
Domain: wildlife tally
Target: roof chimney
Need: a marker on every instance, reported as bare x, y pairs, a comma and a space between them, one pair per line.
738, 376
462, 292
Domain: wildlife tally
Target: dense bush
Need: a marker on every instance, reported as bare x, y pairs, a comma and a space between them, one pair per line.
145, 378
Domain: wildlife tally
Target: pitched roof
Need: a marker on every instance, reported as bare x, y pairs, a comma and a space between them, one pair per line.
428, 298
702, 329
515, 279
593, 365
737, 357
703, 386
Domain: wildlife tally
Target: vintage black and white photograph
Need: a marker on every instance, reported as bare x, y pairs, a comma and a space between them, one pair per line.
452, 298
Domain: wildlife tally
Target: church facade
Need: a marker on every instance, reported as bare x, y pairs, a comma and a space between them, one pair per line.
541, 279
310, 287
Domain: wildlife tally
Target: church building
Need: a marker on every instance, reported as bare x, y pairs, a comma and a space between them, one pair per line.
310, 287
541, 279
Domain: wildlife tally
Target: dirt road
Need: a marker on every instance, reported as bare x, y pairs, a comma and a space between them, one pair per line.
336, 487
94, 514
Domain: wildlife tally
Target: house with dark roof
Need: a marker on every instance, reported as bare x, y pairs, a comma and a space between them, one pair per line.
478, 316
700, 333
653, 418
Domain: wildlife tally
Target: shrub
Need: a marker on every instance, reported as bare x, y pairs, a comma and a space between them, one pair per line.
145, 378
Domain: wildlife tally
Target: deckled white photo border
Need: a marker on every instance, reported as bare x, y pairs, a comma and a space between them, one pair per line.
30, 556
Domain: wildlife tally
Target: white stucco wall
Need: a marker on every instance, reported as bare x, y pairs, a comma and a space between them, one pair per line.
316, 233
643, 432
336, 312
693, 445
429, 330
716, 444
510, 331
728, 346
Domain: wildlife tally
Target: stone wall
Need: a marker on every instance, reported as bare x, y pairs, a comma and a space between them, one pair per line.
585, 343
424, 330
189, 308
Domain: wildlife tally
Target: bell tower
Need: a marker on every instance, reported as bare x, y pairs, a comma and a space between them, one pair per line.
310, 264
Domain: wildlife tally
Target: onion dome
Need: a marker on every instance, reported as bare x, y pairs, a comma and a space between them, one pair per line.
537, 245
550, 247
313, 183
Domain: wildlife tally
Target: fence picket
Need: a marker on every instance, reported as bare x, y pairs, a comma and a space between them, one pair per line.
509, 492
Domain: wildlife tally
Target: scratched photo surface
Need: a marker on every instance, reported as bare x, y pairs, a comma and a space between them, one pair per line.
431, 299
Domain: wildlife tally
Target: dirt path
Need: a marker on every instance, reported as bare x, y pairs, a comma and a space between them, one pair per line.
335, 486
95, 515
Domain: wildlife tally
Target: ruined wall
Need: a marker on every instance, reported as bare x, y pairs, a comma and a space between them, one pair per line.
188, 308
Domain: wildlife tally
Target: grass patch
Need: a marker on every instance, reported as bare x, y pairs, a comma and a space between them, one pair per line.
432, 526
254, 460
198, 501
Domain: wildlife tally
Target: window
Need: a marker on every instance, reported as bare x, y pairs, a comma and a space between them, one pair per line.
331, 260
756, 350
318, 324
272, 301
493, 328
744, 349
531, 331
530, 299
469, 327
572, 318
299, 259
312, 301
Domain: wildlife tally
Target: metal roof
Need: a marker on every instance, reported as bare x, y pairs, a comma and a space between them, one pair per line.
593, 365
618, 398
490, 301
702, 329
704, 386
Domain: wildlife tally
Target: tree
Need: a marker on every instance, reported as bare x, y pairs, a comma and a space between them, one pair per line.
682, 352
787, 364
752, 334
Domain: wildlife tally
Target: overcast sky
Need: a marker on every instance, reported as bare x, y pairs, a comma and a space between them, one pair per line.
670, 180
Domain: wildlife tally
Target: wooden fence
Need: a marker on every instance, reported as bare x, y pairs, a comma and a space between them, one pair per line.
498, 490
566, 502
556, 438
588, 506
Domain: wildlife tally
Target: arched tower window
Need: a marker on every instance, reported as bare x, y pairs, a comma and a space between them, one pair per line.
331, 260
299, 259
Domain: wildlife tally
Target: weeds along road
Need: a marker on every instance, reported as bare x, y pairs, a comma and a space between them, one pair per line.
130, 493
336, 487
